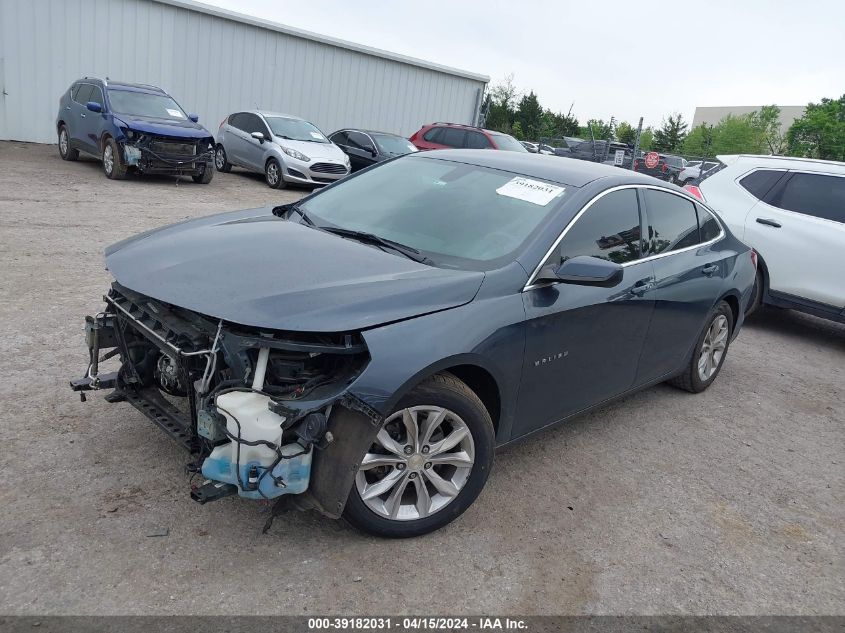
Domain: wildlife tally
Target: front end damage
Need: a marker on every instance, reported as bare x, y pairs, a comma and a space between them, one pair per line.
262, 413
157, 154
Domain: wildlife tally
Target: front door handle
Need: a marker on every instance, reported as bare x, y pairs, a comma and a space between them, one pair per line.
67, 107
709, 270
768, 222
642, 287
82, 115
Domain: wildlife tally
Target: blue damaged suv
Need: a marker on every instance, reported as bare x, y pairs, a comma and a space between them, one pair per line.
133, 126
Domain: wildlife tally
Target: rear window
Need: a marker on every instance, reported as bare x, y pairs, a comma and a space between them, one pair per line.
508, 143
813, 194
759, 183
453, 137
708, 226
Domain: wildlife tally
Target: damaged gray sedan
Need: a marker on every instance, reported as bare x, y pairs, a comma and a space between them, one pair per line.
363, 351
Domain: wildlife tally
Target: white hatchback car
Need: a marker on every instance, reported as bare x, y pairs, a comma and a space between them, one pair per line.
792, 212
285, 148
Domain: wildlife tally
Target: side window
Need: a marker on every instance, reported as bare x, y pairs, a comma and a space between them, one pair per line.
74, 91
237, 120
434, 135
708, 226
813, 194
360, 141
83, 95
253, 123
609, 229
339, 138
453, 137
476, 140
97, 95
672, 221
759, 183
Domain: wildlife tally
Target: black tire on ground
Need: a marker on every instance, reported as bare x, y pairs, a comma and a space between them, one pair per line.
65, 150
205, 177
113, 166
221, 161
273, 174
756, 294
442, 390
690, 379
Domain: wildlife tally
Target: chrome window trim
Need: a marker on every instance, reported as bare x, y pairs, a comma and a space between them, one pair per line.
531, 285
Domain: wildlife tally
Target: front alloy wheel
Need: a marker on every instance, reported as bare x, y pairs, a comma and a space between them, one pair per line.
419, 463
427, 464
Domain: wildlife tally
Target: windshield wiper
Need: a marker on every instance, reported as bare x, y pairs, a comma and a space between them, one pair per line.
408, 251
292, 207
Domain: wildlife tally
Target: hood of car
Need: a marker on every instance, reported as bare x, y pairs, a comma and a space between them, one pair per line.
255, 269
313, 150
165, 127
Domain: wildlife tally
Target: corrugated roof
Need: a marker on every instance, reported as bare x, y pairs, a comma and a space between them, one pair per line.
225, 14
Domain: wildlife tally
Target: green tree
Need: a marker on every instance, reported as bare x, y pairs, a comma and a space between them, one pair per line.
699, 142
820, 133
601, 130
529, 115
647, 139
670, 136
500, 106
625, 133
738, 135
768, 122
517, 132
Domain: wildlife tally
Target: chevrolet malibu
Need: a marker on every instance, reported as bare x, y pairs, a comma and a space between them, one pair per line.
363, 351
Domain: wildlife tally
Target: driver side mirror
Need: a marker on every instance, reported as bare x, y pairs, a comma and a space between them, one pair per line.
194, 117
258, 136
584, 271
94, 106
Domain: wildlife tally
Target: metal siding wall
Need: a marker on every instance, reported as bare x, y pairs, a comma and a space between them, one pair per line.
211, 65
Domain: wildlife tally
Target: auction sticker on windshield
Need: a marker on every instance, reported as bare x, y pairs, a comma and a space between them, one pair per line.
533, 191
175, 113
317, 135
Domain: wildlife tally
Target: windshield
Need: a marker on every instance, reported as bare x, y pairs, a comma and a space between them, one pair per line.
508, 143
458, 215
390, 144
145, 104
295, 129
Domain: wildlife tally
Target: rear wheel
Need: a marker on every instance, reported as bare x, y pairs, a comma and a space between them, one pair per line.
427, 464
65, 150
221, 162
113, 165
273, 174
710, 351
756, 294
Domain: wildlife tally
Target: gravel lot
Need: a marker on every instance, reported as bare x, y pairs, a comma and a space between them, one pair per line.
726, 502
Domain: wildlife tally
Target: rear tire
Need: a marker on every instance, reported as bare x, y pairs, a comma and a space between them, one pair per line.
709, 352
65, 150
113, 166
205, 177
221, 161
437, 450
756, 294
273, 174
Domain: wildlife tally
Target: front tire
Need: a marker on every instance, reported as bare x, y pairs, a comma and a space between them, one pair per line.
113, 166
65, 150
273, 174
710, 351
221, 161
428, 463
205, 177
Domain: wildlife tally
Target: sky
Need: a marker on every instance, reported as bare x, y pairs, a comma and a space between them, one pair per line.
622, 59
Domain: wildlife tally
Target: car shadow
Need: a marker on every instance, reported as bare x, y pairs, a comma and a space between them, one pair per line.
798, 325
251, 175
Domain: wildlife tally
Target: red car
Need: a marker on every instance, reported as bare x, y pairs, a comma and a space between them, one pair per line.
455, 135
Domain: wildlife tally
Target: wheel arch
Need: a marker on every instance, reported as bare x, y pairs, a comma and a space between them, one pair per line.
474, 371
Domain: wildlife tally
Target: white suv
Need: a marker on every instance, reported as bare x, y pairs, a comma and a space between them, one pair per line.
792, 212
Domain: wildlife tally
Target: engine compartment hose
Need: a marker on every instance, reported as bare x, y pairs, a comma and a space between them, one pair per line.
261, 368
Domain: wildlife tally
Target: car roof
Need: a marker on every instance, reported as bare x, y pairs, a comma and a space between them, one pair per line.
124, 85
466, 126
279, 114
565, 171
359, 129
784, 162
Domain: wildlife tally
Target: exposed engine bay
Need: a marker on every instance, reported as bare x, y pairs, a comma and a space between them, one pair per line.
253, 408
153, 154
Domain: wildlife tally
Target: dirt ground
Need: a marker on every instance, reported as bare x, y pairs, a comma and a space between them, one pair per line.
726, 502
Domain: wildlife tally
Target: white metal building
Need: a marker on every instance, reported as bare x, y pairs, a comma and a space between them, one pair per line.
214, 62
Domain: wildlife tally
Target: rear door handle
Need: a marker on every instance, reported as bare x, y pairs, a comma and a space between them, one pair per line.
768, 222
82, 115
709, 270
